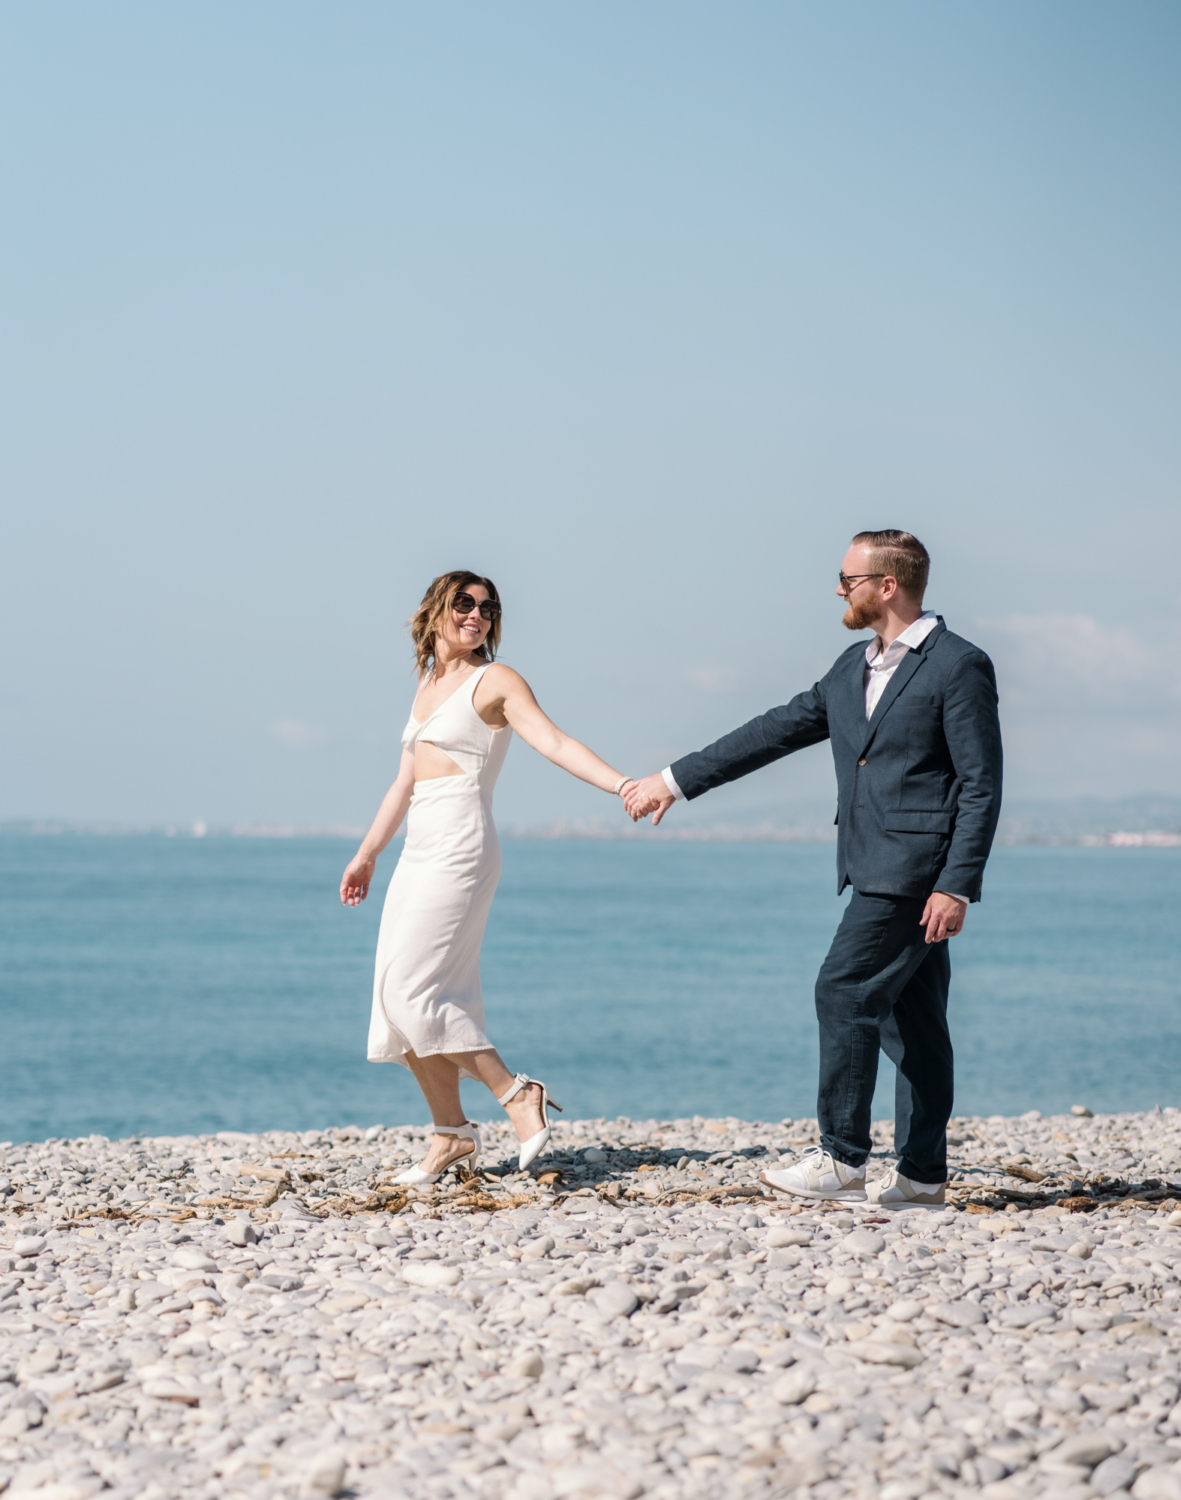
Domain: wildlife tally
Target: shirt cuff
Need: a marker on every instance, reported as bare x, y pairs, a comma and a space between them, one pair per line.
670, 781
955, 896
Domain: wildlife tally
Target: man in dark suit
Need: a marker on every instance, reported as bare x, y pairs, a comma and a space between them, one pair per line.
912, 720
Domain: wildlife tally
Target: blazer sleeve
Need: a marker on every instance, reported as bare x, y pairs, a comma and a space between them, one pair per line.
971, 725
802, 722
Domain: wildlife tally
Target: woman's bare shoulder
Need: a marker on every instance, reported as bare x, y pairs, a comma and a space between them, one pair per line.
502, 679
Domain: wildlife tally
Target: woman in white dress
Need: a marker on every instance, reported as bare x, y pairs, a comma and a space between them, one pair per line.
428, 1011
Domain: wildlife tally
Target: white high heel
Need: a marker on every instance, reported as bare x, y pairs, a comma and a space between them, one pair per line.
416, 1177
536, 1144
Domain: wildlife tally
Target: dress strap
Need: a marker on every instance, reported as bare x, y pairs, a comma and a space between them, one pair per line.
475, 677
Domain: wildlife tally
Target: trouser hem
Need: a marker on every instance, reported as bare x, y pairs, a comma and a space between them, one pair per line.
922, 1174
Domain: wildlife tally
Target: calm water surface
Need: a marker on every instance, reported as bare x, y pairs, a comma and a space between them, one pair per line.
168, 986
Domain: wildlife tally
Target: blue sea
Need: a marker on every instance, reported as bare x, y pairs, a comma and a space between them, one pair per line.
178, 985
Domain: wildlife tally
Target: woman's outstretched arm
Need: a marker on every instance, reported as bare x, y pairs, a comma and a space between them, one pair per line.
354, 883
514, 697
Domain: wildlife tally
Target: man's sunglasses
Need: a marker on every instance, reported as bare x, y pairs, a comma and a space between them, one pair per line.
849, 581
464, 603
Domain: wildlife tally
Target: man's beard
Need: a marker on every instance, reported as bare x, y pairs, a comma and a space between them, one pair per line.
863, 616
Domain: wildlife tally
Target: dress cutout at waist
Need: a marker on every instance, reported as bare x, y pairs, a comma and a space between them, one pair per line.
458, 730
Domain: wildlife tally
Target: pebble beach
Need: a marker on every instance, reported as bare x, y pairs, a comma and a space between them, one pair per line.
265, 1315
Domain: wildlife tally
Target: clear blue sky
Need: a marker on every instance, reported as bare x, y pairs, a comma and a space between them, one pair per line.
642, 310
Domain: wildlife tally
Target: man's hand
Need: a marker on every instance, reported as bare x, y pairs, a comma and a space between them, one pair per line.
943, 917
648, 796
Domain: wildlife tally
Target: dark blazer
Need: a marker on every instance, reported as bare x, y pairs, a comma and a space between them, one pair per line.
919, 784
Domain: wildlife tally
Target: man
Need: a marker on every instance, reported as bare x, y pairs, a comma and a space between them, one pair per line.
912, 720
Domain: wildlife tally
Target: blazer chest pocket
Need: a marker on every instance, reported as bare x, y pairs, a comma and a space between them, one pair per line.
918, 822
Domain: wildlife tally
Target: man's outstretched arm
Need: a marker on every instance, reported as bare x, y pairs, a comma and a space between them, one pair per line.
780, 731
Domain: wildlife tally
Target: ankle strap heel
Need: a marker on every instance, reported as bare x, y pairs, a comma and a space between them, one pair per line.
468, 1131
536, 1144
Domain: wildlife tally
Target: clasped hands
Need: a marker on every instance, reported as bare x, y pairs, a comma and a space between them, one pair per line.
648, 796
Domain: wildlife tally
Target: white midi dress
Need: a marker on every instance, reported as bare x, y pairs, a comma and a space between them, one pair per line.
426, 988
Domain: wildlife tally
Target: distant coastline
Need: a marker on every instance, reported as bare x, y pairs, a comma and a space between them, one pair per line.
1141, 822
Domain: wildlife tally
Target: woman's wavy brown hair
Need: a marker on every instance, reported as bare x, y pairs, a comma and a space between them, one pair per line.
428, 617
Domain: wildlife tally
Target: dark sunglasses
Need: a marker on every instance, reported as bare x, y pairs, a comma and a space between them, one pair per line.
850, 581
464, 603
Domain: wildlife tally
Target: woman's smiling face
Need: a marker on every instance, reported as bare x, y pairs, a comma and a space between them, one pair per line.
468, 630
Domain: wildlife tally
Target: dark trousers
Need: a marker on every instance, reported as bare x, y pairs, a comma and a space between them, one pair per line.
883, 986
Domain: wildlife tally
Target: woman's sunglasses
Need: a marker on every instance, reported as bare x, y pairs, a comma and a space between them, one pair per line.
463, 604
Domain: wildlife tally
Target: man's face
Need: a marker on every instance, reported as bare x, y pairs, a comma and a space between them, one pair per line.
859, 590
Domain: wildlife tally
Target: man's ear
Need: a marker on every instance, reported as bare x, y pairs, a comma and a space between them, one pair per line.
888, 586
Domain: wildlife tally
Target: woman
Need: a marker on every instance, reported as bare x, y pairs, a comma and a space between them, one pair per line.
428, 1011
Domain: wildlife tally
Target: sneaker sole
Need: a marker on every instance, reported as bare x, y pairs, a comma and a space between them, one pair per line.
893, 1208
845, 1195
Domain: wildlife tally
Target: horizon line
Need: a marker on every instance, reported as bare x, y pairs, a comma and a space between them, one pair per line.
567, 830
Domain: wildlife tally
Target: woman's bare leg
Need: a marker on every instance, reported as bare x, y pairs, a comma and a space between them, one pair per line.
524, 1108
438, 1078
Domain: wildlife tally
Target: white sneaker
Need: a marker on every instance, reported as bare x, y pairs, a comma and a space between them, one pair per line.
816, 1175
896, 1191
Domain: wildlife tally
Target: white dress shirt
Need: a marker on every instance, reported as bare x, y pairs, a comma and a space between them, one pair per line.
880, 666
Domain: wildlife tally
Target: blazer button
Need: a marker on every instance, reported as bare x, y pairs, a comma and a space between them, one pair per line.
861, 763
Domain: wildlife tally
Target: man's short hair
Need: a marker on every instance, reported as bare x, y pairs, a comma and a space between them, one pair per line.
902, 556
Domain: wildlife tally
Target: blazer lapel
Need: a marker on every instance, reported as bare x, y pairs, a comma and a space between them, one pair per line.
902, 674
855, 689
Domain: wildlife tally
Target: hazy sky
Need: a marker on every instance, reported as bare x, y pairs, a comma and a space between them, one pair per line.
640, 309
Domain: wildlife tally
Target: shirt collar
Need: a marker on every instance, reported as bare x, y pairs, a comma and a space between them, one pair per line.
910, 639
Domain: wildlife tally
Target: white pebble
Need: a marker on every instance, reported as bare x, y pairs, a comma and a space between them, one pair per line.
193, 1260
430, 1274
1158, 1484
780, 1239
796, 1386
886, 1352
1086, 1449
617, 1299
864, 1243
325, 1474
